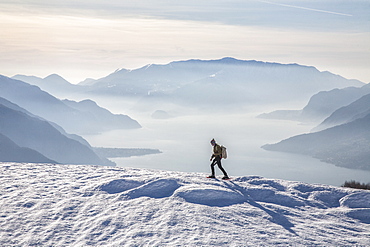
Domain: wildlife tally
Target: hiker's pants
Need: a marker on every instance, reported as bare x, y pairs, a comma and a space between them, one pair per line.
217, 161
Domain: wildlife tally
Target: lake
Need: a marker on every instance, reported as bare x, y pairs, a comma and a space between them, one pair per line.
184, 141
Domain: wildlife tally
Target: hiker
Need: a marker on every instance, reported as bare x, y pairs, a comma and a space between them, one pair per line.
217, 156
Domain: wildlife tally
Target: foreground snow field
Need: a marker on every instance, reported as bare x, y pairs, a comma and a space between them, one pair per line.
65, 205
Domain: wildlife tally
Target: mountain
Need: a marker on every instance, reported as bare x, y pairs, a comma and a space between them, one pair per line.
79, 120
86, 82
346, 145
40, 136
61, 205
103, 119
11, 152
198, 83
321, 105
15, 107
222, 81
53, 84
358, 109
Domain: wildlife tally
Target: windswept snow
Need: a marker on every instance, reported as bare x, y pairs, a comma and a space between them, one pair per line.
63, 205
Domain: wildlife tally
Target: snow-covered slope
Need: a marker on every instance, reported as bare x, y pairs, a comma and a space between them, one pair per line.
62, 205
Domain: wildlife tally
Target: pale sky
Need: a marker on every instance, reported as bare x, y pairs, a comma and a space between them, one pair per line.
78, 39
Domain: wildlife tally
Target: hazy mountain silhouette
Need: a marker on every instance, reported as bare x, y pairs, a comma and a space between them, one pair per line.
53, 84
160, 114
59, 128
73, 120
100, 117
358, 109
226, 80
11, 152
39, 135
206, 82
15, 107
346, 145
321, 105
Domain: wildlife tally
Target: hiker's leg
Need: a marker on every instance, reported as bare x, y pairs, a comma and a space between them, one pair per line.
213, 167
223, 170
220, 167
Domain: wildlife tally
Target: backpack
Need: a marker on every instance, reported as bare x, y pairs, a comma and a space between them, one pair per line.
224, 153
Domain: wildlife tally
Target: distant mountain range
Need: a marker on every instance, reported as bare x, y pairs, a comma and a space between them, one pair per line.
11, 152
343, 138
32, 124
346, 145
346, 114
207, 82
27, 138
75, 117
53, 84
321, 105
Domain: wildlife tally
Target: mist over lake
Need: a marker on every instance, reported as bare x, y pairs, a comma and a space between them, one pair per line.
184, 142
179, 107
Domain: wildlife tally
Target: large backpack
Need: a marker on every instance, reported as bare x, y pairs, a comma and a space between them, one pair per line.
224, 153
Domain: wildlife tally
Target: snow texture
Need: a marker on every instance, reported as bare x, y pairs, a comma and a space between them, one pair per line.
65, 205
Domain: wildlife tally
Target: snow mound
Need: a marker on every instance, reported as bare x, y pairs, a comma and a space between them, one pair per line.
156, 189
329, 198
267, 183
362, 215
356, 200
211, 196
119, 185
62, 205
272, 196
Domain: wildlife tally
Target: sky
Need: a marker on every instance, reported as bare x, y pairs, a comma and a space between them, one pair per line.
80, 39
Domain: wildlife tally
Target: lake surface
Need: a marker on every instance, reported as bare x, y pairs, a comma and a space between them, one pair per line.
184, 141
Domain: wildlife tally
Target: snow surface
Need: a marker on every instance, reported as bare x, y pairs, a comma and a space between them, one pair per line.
66, 205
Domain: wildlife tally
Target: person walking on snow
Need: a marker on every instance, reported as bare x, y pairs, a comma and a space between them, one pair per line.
217, 156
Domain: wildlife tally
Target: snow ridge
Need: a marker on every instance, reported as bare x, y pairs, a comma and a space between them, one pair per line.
65, 205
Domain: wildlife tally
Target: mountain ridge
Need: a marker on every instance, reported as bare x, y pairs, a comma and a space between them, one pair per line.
39, 135
357, 109
345, 145
321, 105
196, 83
248, 81
11, 152
73, 120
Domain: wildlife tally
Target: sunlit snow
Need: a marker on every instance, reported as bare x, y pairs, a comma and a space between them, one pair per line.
66, 205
